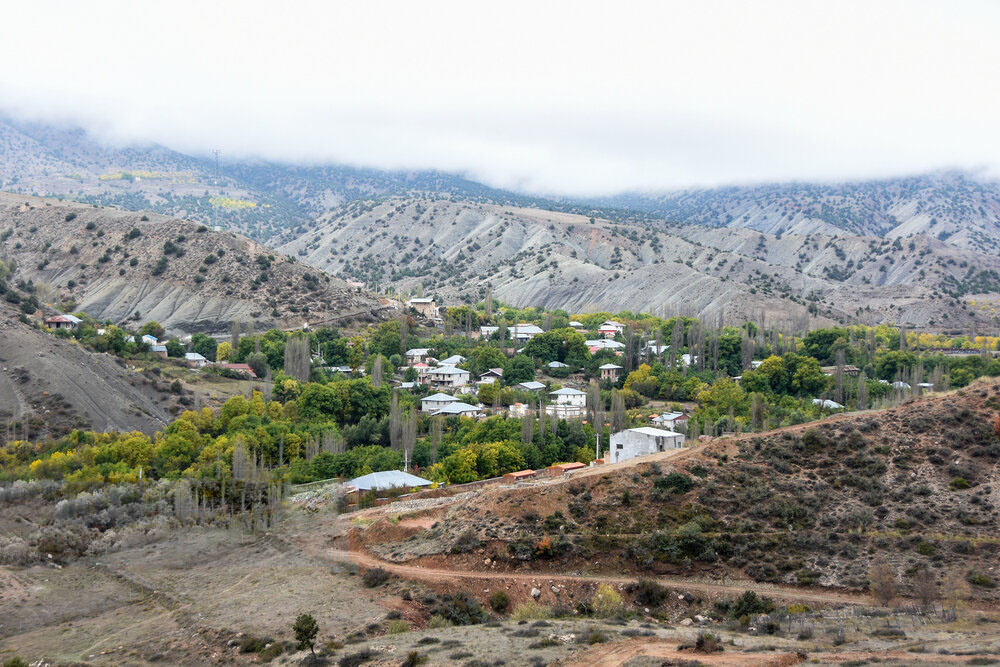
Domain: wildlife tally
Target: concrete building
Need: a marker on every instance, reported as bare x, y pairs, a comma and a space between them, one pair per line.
425, 306
447, 376
610, 371
435, 402
63, 322
634, 442
459, 409
569, 396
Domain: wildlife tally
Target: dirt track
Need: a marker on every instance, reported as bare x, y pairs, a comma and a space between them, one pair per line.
440, 575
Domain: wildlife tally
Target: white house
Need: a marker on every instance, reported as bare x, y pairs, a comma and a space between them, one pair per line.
518, 410
604, 344
435, 402
562, 411
150, 340
492, 375
610, 329
576, 325
828, 404
671, 420
487, 331
453, 360
458, 409
610, 371
416, 355
524, 331
901, 385
557, 364
653, 348
569, 396
195, 360
447, 376
634, 442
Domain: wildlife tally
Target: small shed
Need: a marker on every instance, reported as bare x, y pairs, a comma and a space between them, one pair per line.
520, 475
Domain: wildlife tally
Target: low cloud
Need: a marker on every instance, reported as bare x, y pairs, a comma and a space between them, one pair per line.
560, 98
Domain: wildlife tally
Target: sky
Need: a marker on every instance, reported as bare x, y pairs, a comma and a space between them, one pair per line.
573, 98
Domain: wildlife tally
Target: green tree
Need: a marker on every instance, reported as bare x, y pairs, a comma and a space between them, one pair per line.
258, 362
305, 629
154, 329
518, 368
174, 348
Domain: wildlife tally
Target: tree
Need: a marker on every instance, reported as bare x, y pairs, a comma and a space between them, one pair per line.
925, 586
204, 345
154, 329
174, 348
258, 363
223, 351
882, 582
305, 629
518, 368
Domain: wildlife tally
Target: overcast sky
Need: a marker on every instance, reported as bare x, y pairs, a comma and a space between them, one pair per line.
555, 97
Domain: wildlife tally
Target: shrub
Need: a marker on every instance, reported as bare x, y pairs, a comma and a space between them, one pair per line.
499, 602
412, 659
357, 659
438, 621
648, 593
979, 579
707, 643
607, 602
375, 577
460, 609
397, 626
958, 484
72, 216
529, 611
749, 604
14, 662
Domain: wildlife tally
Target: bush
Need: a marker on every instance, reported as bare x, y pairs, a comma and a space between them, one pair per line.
460, 609
529, 611
607, 602
749, 604
72, 216
398, 626
357, 659
958, 484
375, 577
14, 662
499, 602
707, 643
648, 593
979, 579
438, 621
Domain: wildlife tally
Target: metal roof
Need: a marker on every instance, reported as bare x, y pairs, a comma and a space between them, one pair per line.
456, 408
438, 397
531, 385
567, 391
657, 432
387, 479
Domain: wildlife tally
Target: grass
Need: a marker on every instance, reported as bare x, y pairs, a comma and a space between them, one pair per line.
530, 611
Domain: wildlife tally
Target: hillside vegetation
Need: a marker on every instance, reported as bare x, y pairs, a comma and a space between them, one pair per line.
124, 266
916, 485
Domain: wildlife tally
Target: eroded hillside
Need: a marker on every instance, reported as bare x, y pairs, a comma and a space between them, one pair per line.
561, 260
955, 207
125, 266
55, 385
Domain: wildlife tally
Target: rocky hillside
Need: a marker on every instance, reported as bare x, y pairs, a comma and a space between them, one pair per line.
815, 504
561, 260
125, 266
56, 385
955, 207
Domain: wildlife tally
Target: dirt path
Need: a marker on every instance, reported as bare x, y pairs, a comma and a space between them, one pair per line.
441, 575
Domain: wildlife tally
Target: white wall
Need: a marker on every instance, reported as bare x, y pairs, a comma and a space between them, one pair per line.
630, 443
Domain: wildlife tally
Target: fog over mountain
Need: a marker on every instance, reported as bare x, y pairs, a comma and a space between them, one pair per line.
570, 98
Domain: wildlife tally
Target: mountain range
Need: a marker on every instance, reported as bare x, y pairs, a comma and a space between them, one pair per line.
918, 250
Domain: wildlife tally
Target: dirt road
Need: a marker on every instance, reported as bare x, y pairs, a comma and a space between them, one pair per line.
439, 575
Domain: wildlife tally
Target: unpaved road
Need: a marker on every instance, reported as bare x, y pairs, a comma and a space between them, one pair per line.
441, 575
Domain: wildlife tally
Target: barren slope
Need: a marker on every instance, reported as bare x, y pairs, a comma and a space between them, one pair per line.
560, 260
955, 207
117, 266
58, 385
